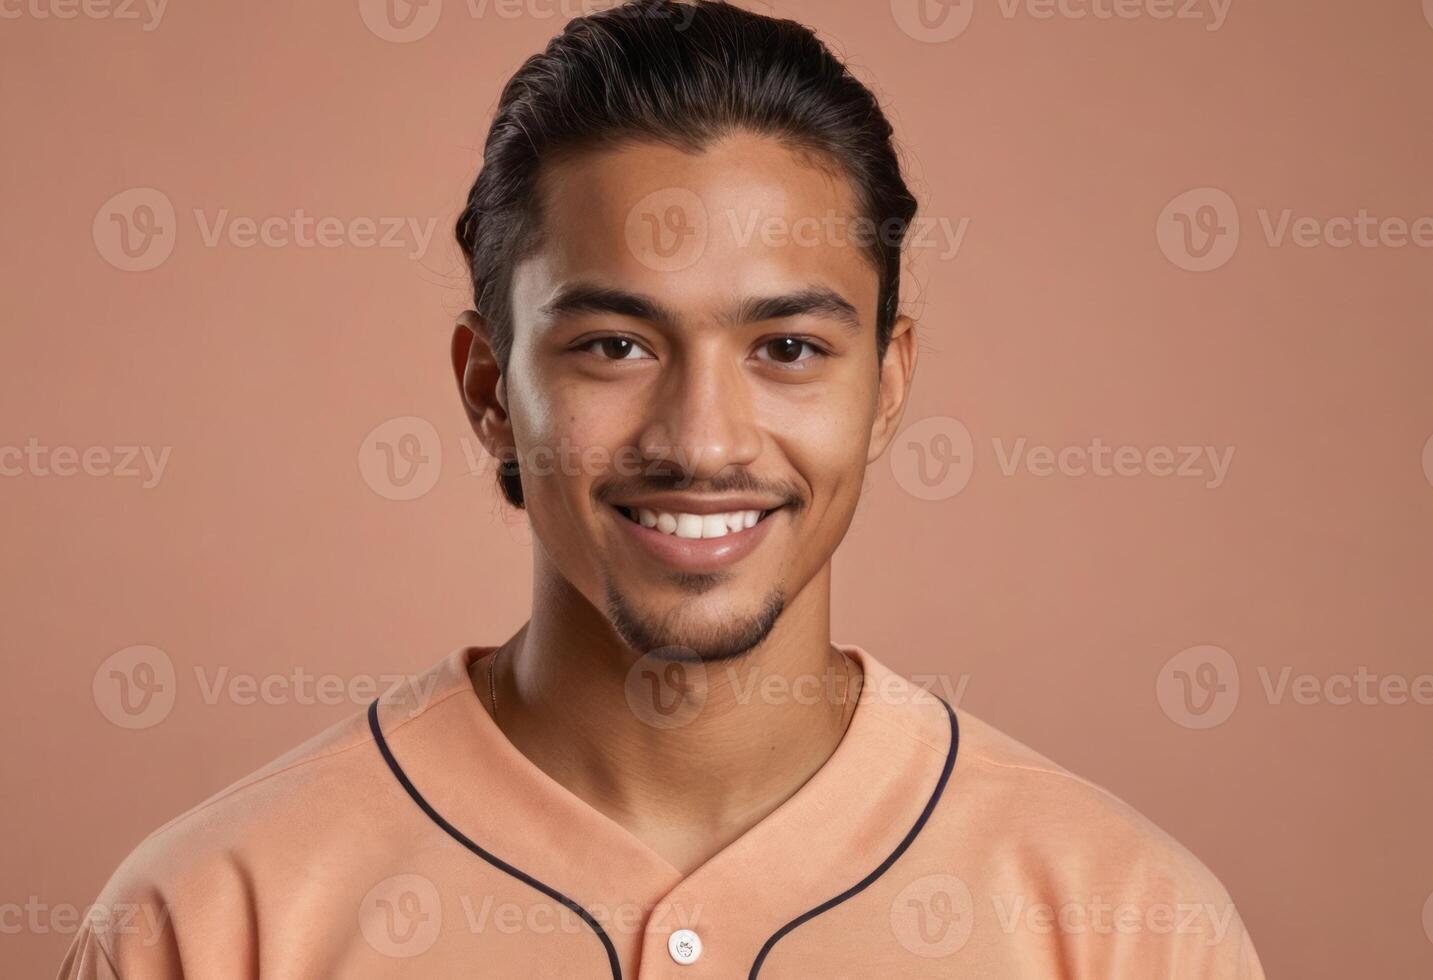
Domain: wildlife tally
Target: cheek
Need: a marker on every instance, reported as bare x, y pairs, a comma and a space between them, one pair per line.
593, 424
824, 436
573, 433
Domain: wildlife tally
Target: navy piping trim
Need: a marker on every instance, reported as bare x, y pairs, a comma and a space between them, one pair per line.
884, 865
554, 894
492, 859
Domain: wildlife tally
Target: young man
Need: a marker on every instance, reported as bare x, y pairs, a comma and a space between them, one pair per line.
671, 770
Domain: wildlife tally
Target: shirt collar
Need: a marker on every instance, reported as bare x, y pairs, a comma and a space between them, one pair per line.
837, 833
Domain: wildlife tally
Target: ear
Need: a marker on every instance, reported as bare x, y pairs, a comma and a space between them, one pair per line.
896, 370
481, 384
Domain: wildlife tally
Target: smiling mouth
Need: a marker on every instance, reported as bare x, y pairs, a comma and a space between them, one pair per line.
694, 527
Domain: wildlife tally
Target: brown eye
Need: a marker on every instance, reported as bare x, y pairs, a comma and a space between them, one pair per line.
615, 348
788, 350
785, 349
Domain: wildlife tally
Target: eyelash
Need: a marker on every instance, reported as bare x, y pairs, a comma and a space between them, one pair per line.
818, 352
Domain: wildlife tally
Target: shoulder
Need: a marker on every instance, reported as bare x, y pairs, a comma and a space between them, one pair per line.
1081, 858
240, 858
1053, 810
209, 857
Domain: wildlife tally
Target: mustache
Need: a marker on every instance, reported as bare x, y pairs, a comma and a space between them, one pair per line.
738, 481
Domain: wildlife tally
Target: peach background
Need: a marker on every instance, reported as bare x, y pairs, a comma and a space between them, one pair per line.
1057, 600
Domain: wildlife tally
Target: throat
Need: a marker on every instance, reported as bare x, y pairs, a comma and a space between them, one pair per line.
689, 779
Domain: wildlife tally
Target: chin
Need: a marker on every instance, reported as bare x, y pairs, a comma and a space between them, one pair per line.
677, 636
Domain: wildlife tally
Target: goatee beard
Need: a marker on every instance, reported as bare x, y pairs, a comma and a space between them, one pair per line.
665, 640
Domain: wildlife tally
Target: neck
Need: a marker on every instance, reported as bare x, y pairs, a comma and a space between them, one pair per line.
686, 756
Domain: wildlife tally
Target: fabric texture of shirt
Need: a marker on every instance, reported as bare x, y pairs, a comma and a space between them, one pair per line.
413, 840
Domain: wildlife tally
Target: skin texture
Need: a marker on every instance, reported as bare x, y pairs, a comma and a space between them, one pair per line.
695, 401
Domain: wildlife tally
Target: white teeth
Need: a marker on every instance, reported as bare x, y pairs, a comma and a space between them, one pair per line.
695, 526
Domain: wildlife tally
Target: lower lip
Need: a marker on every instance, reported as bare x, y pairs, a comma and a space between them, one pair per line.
697, 554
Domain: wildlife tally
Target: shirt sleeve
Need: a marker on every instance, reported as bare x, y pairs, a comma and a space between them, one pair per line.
1207, 938
1171, 919
1230, 957
87, 958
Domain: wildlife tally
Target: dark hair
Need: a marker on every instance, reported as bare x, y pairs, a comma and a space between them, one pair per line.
684, 74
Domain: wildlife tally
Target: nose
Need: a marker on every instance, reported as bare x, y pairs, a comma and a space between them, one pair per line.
703, 415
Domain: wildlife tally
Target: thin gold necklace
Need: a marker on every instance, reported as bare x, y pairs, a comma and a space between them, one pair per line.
492, 688
846, 689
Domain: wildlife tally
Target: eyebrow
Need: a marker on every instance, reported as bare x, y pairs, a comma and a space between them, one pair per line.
812, 300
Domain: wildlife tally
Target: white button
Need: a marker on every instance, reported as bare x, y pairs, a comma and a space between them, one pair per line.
684, 945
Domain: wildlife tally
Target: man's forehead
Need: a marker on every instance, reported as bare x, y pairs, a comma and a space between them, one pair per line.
746, 216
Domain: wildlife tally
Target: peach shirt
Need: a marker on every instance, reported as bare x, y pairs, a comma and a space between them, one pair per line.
413, 840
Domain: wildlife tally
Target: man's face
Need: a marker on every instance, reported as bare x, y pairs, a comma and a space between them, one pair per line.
694, 349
